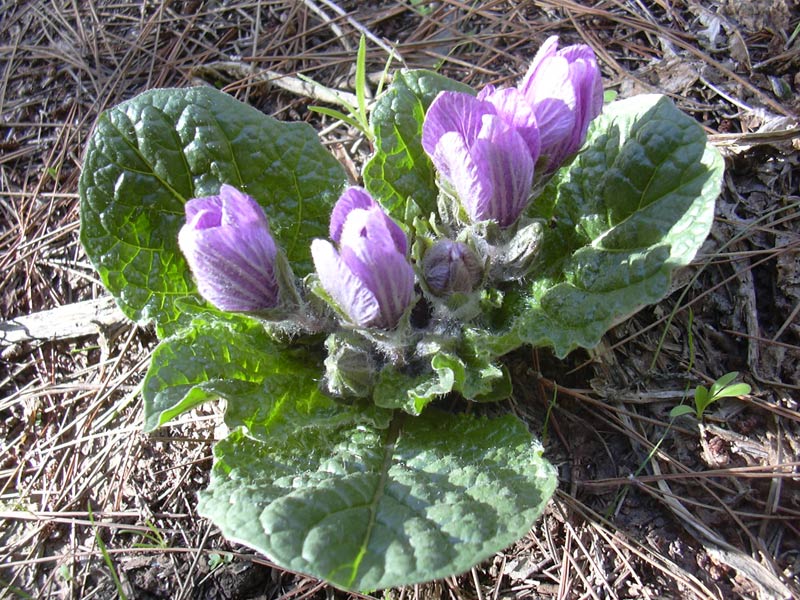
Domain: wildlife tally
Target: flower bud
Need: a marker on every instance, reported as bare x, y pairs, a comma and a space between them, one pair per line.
229, 248
450, 266
369, 276
513, 258
350, 369
564, 88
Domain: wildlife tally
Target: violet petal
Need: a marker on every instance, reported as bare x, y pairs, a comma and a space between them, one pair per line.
548, 49
493, 178
353, 197
370, 251
369, 277
452, 111
566, 92
506, 167
515, 110
454, 156
211, 205
553, 99
349, 292
239, 209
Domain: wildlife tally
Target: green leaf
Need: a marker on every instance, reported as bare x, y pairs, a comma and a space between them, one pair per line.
701, 396
151, 154
487, 383
411, 389
411, 393
636, 204
361, 78
270, 390
475, 379
683, 409
365, 508
399, 168
336, 114
738, 389
723, 382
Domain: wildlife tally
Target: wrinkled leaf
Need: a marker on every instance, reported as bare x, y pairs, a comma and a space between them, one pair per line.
270, 389
367, 508
399, 169
411, 393
475, 380
637, 203
151, 154
404, 390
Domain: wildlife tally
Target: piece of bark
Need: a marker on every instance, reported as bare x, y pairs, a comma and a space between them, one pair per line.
88, 317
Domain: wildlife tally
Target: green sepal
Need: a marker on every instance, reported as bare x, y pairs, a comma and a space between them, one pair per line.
412, 392
437, 371
350, 367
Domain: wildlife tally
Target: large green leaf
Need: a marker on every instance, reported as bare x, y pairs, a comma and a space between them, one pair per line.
637, 203
400, 169
368, 508
270, 389
149, 155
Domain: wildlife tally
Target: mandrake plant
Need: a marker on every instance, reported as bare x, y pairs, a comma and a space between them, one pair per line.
330, 318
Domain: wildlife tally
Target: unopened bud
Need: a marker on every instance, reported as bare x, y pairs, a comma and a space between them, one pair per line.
349, 368
450, 266
229, 248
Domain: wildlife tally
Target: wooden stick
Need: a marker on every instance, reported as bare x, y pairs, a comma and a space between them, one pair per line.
64, 322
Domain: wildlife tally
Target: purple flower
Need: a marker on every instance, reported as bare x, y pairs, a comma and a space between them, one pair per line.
565, 91
369, 277
486, 147
228, 246
450, 266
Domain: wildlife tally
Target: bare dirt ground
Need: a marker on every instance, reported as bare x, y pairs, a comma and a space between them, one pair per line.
93, 508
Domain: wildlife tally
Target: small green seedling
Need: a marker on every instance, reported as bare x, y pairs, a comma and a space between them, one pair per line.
150, 539
358, 115
218, 559
703, 396
422, 7
545, 432
64, 573
107, 558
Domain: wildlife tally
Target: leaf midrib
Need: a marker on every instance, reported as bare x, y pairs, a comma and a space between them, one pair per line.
392, 435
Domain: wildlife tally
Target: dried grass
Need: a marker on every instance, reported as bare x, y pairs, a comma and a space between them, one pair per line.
644, 509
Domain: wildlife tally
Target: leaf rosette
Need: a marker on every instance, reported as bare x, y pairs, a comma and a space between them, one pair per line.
364, 484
